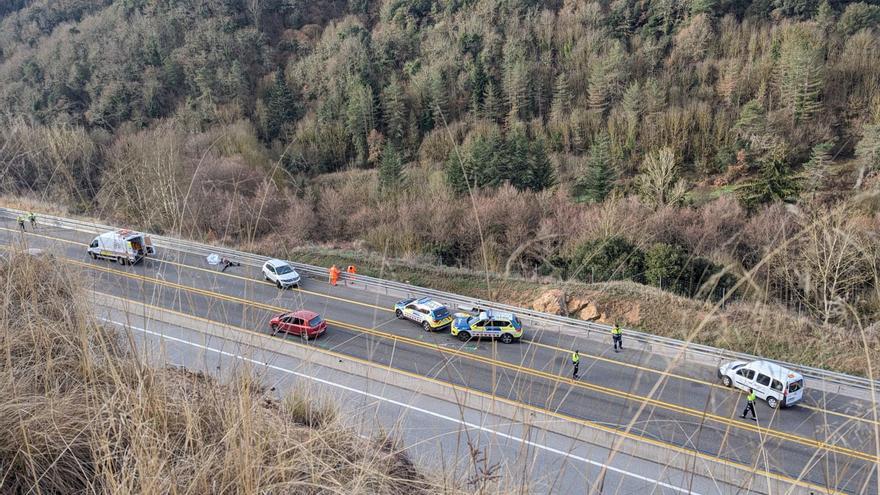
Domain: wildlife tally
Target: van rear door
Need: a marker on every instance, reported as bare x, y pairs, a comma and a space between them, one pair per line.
794, 391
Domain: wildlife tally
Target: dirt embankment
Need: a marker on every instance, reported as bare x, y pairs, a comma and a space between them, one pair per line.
755, 328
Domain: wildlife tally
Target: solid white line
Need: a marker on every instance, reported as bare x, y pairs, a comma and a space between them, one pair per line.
411, 407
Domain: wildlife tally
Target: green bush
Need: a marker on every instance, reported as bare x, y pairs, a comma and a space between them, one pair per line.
602, 260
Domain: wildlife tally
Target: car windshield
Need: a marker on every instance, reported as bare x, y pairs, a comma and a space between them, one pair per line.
315, 321
440, 313
283, 269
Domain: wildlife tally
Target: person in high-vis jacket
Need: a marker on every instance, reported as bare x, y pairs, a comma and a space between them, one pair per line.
21, 222
750, 405
575, 362
617, 337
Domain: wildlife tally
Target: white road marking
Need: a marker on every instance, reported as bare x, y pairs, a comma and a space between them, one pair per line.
411, 407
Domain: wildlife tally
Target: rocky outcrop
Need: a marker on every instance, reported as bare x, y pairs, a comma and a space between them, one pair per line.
586, 308
552, 301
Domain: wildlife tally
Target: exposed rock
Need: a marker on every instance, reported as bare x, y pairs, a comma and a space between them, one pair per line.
552, 301
632, 316
589, 312
576, 303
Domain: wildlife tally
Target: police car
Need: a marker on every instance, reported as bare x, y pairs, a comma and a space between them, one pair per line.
425, 311
492, 324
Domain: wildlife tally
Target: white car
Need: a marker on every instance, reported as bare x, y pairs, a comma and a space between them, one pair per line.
281, 274
771, 382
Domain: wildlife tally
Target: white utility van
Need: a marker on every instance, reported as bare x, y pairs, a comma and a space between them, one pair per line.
771, 382
123, 246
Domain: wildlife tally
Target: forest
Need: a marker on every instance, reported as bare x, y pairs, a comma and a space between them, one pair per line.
713, 148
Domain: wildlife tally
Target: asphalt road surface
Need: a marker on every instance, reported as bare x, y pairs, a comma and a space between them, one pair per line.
435, 432
829, 441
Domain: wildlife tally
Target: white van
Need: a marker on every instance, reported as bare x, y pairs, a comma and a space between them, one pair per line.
771, 382
123, 246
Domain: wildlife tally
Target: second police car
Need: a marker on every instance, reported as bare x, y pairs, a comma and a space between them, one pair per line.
430, 314
493, 324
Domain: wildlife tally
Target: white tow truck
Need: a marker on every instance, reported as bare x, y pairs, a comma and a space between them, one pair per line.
123, 246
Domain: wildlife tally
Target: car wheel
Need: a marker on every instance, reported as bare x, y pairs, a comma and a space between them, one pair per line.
120, 260
464, 336
772, 402
304, 336
278, 284
426, 326
726, 381
274, 328
506, 338
398, 313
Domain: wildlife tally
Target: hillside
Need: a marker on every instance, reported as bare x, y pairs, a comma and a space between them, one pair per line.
710, 148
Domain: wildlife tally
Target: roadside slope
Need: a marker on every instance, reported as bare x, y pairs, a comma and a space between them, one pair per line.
85, 415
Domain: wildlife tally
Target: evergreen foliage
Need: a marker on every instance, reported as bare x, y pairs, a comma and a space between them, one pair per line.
596, 181
390, 170
601, 260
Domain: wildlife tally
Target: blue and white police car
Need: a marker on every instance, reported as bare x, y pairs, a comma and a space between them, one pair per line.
427, 312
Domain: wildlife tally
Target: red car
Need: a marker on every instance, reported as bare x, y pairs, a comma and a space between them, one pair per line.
306, 324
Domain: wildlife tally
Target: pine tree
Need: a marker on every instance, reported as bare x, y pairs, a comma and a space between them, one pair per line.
394, 112
633, 108
816, 169
390, 170
775, 183
868, 150
799, 71
439, 100
825, 16
492, 107
596, 182
477, 81
280, 108
560, 109
359, 119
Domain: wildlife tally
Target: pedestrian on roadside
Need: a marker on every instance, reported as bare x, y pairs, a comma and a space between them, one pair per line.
617, 337
575, 363
33, 220
21, 223
750, 405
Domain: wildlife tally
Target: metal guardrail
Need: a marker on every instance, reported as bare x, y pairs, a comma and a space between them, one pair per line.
544, 320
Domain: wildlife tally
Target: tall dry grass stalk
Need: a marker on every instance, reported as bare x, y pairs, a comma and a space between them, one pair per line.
82, 414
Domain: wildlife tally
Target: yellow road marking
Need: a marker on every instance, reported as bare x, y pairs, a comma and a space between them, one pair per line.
529, 407
528, 341
515, 367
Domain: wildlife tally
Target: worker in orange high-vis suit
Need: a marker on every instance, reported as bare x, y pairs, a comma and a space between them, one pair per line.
351, 271
334, 275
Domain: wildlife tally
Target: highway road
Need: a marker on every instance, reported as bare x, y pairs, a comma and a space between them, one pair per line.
826, 445
524, 456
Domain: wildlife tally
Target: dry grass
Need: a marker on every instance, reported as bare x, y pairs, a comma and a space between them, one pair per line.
81, 414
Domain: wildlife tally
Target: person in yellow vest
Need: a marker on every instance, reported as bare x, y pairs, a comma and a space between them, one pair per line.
750, 405
21, 223
617, 337
575, 362
33, 219
334, 275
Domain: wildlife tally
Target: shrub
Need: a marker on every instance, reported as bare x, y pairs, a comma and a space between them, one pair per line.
606, 259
